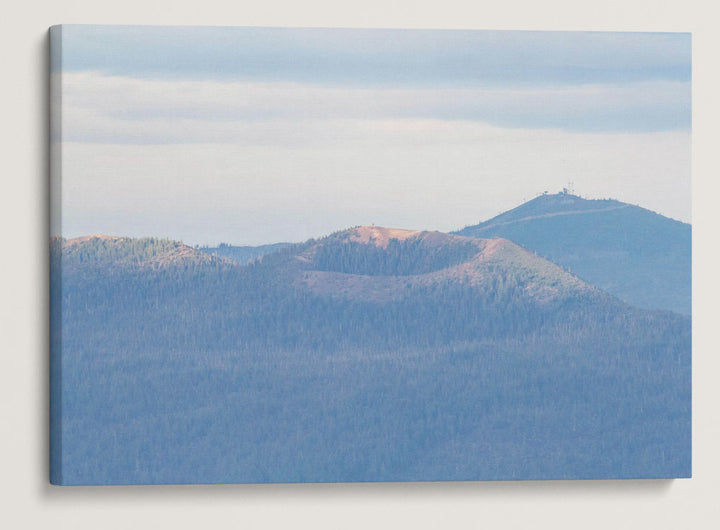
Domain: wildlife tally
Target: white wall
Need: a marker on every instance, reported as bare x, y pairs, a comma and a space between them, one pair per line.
29, 502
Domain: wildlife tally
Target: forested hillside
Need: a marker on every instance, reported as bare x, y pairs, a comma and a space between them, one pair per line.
637, 255
436, 358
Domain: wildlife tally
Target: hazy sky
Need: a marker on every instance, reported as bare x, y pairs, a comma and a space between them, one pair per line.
256, 135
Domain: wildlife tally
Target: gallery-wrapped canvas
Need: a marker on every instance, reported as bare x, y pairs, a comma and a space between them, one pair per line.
337, 255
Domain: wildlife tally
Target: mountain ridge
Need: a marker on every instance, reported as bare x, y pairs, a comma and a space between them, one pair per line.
203, 373
478, 260
562, 202
638, 255
105, 251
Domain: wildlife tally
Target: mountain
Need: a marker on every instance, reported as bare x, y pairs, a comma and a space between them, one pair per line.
637, 255
438, 285
103, 253
382, 264
242, 254
373, 354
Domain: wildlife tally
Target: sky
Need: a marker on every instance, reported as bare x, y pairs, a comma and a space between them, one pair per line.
260, 135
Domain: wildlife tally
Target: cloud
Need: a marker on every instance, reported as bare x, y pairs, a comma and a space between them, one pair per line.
377, 57
110, 109
252, 162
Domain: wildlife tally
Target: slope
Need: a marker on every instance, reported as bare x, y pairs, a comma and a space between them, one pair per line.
104, 253
637, 255
476, 360
377, 263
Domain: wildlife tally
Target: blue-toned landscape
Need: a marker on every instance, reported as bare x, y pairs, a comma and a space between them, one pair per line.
333, 255
372, 354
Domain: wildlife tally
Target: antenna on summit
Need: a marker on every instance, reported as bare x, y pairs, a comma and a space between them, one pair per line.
570, 189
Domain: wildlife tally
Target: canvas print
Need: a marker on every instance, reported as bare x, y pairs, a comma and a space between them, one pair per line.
337, 255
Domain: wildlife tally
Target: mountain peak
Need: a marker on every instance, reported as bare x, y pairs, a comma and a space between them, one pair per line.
546, 205
638, 255
379, 236
84, 239
100, 250
373, 263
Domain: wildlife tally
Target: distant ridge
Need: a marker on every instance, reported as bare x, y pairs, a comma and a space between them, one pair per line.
637, 255
242, 254
548, 205
99, 251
